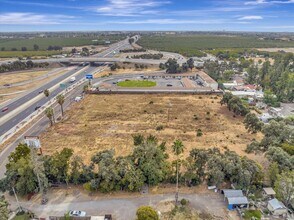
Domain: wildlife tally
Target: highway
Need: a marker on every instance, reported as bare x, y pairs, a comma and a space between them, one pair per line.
9, 119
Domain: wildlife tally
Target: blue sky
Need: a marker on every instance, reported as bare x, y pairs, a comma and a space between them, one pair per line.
194, 15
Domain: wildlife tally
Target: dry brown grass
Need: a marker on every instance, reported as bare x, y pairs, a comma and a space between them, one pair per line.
17, 77
103, 122
25, 87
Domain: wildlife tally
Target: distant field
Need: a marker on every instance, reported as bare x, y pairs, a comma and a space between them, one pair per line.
6, 54
190, 45
137, 83
43, 43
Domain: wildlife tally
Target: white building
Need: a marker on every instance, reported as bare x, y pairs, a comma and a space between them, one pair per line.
276, 207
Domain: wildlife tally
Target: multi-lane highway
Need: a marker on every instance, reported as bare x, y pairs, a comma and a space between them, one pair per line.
17, 112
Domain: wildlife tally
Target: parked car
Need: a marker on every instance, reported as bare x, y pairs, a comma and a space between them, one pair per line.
37, 107
4, 109
76, 213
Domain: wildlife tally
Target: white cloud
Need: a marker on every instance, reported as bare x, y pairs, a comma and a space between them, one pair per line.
129, 7
17, 18
251, 17
265, 2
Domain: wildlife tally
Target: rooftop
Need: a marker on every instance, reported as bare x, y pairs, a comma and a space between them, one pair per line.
276, 204
269, 191
229, 193
238, 200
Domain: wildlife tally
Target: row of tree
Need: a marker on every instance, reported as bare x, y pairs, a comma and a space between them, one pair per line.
157, 56
235, 104
172, 66
18, 65
132, 50
147, 164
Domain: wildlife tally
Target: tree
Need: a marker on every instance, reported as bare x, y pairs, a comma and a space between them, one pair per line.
284, 187
146, 213
178, 148
252, 123
2, 48
74, 50
49, 112
60, 101
36, 47
46, 93
252, 74
190, 63
24, 49
4, 212
273, 173
172, 66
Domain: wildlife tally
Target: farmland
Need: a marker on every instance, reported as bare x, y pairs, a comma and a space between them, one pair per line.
190, 45
6, 54
109, 121
43, 43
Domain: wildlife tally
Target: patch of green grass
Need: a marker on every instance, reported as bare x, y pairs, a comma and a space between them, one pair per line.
137, 83
252, 213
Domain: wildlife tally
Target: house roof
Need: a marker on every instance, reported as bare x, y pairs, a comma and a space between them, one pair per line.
238, 200
269, 191
276, 204
230, 193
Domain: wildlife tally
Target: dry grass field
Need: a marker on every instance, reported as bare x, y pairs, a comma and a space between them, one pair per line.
102, 122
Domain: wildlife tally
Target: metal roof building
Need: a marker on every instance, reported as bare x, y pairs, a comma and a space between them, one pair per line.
235, 198
276, 207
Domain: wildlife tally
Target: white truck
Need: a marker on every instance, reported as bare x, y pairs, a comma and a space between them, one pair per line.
72, 79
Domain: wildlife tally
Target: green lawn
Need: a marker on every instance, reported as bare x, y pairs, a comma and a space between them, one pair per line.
252, 213
137, 83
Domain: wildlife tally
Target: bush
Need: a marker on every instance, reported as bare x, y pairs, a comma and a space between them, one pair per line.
159, 128
208, 113
151, 102
146, 213
87, 187
199, 133
196, 117
184, 202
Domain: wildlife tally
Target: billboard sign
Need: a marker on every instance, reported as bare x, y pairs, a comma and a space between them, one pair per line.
32, 141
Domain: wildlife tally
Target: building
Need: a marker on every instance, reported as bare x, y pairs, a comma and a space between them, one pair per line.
207, 80
269, 192
276, 207
235, 199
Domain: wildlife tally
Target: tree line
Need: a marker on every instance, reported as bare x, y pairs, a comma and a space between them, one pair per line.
18, 65
172, 66
157, 56
132, 50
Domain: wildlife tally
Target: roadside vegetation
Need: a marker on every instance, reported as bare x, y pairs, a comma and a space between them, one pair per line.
192, 45
18, 65
136, 83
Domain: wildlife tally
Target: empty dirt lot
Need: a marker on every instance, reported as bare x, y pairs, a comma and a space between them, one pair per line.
102, 122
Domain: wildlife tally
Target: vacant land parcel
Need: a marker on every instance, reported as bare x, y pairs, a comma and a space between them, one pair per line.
190, 45
102, 122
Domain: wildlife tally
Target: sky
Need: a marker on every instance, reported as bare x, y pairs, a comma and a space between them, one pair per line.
147, 15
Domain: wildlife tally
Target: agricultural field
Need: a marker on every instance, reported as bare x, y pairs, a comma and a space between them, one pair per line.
191, 45
43, 43
6, 54
136, 83
103, 122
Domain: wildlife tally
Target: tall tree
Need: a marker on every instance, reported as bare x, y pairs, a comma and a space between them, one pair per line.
49, 112
284, 187
60, 100
46, 93
178, 148
190, 63
252, 123
36, 47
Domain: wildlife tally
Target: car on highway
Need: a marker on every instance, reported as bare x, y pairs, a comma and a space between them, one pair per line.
41, 91
169, 85
7, 85
4, 109
37, 107
76, 213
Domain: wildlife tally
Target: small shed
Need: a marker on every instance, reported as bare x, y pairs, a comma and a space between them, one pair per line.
276, 207
268, 192
240, 202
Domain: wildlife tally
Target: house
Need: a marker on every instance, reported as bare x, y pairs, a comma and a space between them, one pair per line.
268, 192
235, 198
276, 207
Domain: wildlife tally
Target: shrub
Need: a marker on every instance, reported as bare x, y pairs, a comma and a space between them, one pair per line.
159, 128
151, 102
146, 213
184, 202
207, 118
199, 133
196, 117
208, 113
